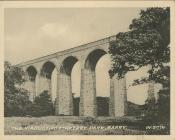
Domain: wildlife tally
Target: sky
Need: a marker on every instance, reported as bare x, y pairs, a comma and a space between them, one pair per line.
31, 33
34, 32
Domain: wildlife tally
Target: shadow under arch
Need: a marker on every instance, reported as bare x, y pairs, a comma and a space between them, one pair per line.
68, 64
47, 69
31, 72
92, 59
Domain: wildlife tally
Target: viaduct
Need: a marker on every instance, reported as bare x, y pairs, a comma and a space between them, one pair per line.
88, 56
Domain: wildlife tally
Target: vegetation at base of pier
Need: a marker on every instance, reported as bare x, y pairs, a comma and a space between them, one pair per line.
16, 99
146, 44
42, 105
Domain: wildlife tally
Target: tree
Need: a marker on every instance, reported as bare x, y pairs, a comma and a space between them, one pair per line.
16, 99
12, 76
43, 105
145, 44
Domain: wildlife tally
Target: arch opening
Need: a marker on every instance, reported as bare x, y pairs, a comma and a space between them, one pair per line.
47, 69
75, 84
68, 64
103, 85
31, 71
54, 84
93, 58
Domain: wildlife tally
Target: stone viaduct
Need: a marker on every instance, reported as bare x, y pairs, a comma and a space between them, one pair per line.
40, 70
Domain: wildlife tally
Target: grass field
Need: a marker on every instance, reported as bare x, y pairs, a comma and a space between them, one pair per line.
66, 125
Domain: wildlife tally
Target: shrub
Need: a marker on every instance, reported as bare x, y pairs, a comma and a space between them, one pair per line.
18, 105
42, 105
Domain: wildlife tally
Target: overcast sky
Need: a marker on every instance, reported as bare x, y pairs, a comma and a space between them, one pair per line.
32, 33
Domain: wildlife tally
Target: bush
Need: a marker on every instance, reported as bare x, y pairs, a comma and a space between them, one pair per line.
42, 105
158, 112
88, 121
164, 106
102, 106
18, 105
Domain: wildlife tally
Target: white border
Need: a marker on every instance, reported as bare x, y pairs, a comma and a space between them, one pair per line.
84, 4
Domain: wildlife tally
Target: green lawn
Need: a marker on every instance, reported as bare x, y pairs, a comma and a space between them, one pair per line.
68, 125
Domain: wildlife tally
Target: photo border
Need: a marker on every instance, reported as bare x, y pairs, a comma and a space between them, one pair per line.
87, 4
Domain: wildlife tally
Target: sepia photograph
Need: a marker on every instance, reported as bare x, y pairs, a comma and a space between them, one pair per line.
87, 70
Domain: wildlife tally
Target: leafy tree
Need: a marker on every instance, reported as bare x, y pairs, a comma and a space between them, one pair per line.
12, 76
16, 99
145, 44
43, 105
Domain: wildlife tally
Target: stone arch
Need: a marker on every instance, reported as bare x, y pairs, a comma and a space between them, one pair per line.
31, 73
68, 64
92, 59
47, 68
